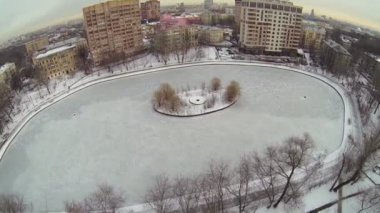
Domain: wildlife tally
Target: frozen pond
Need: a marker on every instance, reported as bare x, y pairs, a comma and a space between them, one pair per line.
110, 133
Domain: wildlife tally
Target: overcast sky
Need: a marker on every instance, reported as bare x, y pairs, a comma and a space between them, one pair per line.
20, 16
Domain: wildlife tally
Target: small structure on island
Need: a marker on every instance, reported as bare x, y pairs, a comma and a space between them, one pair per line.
188, 102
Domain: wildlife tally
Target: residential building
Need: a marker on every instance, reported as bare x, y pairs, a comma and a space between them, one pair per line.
370, 64
59, 59
312, 36
149, 30
210, 18
211, 35
180, 33
208, 4
6, 71
150, 10
270, 26
237, 12
229, 11
335, 57
36, 44
113, 27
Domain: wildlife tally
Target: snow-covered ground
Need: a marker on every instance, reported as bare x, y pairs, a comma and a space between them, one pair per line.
109, 132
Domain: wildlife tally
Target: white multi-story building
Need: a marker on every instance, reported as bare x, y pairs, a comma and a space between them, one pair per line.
270, 26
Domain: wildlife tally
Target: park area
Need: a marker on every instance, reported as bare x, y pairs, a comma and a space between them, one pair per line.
110, 133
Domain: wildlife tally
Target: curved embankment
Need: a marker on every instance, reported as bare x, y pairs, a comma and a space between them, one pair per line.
349, 109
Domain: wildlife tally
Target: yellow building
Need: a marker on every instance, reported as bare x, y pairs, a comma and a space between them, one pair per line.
312, 36
59, 59
211, 35
113, 27
36, 45
150, 10
180, 33
6, 71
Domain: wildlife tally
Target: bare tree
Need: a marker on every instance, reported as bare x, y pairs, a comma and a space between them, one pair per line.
13, 204
361, 156
158, 195
216, 84
294, 154
264, 171
242, 175
84, 59
370, 199
187, 192
175, 103
42, 77
75, 207
161, 46
6, 105
167, 97
105, 199
233, 91
185, 44
214, 185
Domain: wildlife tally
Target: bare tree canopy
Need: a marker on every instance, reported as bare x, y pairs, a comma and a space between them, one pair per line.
239, 188
233, 91
294, 154
358, 157
6, 105
158, 195
167, 98
105, 199
75, 207
187, 192
13, 204
214, 184
216, 84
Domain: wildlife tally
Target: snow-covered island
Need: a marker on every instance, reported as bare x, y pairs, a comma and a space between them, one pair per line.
187, 103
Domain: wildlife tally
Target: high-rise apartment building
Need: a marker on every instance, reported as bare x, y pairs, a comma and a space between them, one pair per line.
208, 4
113, 27
150, 10
272, 26
237, 11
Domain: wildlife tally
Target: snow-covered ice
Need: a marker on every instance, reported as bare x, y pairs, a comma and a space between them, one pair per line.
110, 133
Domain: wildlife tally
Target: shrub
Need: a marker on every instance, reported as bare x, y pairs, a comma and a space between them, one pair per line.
233, 91
167, 98
216, 84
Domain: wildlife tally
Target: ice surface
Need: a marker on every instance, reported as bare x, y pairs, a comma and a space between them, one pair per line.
110, 133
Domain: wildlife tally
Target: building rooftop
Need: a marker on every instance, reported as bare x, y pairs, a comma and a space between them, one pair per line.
59, 47
55, 51
337, 47
315, 28
65, 42
6, 67
282, 2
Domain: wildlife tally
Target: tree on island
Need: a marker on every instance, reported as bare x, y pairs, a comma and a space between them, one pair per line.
167, 98
233, 91
216, 84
